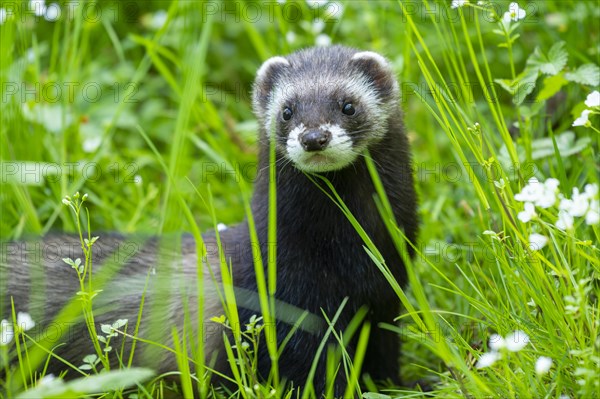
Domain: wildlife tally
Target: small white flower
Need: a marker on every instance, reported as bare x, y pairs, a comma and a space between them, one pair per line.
458, 3
542, 195
52, 12
290, 37
6, 332
316, 3
221, 227
578, 204
38, 7
335, 10
158, 20
527, 213
592, 216
91, 144
487, 359
516, 341
24, 321
565, 220
537, 241
530, 192
137, 179
542, 365
583, 119
514, 13
591, 190
593, 99
323, 40
497, 342
317, 26
551, 184
2, 15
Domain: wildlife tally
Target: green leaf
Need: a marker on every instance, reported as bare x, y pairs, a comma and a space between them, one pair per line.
566, 143
521, 86
106, 328
587, 74
552, 85
549, 64
103, 382
91, 359
525, 84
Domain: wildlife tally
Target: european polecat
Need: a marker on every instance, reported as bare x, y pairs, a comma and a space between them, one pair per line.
323, 107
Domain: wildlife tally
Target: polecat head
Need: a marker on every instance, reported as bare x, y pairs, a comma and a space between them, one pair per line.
325, 105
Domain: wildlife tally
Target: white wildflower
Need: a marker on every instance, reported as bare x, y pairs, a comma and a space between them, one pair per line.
458, 3
52, 12
591, 190
592, 216
497, 342
137, 179
316, 3
542, 365
593, 99
323, 40
577, 206
38, 7
530, 192
24, 321
158, 20
516, 341
527, 213
335, 9
91, 144
583, 119
514, 13
221, 227
540, 194
290, 37
487, 359
317, 26
565, 220
537, 241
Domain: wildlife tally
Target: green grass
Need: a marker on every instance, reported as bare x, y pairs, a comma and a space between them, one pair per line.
487, 106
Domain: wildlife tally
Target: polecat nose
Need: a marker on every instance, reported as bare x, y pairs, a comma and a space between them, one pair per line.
315, 140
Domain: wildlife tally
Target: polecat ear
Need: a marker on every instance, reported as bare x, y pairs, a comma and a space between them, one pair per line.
378, 68
266, 77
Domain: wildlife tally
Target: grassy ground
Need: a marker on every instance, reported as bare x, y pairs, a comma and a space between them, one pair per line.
506, 281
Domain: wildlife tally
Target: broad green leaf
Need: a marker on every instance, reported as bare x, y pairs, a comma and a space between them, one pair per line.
521, 86
549, 64
103, 382
552, 85
566, 143
587, 74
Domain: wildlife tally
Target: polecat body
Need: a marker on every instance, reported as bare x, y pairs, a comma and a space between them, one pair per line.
324, 107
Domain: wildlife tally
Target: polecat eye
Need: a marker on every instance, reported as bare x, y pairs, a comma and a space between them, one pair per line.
287, 114
348, 109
